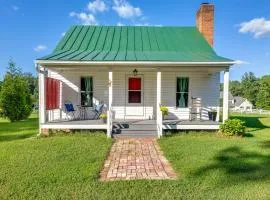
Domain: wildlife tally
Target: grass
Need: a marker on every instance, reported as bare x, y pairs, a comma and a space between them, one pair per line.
67, 167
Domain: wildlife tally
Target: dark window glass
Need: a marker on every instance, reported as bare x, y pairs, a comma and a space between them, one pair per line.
134, 97
86, 91
182, 92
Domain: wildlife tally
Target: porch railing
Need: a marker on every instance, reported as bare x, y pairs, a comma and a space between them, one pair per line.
109, 123
159, 123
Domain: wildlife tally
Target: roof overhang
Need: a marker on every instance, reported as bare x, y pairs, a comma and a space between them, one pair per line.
132, 63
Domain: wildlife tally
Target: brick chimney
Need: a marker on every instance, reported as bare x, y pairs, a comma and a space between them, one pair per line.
205, 21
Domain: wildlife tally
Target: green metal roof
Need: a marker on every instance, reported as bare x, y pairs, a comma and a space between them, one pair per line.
129, 43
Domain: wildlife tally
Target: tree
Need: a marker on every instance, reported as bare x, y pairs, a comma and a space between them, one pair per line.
15, 97
235, 88
1, 83
263, 97
250, 87
32, 83
221, 87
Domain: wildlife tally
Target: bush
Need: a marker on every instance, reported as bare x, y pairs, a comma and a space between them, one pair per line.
15, 98
233, 127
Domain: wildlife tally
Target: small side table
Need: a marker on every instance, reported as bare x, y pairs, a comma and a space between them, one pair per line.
83, 111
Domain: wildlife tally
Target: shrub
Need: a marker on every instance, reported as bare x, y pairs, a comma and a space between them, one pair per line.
164, 111
15, 98
233, 127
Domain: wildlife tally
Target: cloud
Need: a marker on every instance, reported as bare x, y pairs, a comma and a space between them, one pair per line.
125, 10
258, 27
241, 62
97, 6
40, 48
15, 8
147, 24
84, 18
120, 24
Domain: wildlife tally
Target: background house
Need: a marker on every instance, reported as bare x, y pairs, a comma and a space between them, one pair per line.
241, 104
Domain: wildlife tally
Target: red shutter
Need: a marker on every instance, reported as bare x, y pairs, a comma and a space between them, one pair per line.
52, 93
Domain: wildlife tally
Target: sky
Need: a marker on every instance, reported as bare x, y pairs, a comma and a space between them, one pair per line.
31, 29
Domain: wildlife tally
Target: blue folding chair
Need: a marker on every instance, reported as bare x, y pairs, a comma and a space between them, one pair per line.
70, 109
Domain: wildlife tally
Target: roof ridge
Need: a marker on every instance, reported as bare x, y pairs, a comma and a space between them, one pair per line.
150, 26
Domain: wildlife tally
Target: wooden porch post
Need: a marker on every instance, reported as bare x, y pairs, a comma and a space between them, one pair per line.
159, 113
42, 96
226, 95
109, 115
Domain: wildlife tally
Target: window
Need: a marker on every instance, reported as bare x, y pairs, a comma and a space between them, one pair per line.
182, 92
87, 91
134, 90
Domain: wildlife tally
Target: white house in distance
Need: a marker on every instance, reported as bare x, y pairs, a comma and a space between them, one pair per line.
241, 104
132, 71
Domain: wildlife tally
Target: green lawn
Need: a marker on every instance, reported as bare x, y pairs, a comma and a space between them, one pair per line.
67, 167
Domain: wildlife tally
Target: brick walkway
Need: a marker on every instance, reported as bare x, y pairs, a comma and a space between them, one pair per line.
136, 158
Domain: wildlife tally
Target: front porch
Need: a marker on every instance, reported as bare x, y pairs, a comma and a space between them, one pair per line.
124, 103
136, 127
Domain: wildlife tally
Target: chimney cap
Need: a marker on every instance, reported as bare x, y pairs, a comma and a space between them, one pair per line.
206, 3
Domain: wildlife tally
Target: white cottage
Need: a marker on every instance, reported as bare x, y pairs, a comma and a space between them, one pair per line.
241, 104
128, 73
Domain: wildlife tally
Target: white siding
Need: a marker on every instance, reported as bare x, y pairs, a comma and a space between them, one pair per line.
201, 85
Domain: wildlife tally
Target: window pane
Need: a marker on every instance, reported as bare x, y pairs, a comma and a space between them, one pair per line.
182, 100
86, 99
134, 97
182, 84
134, 84
87, 91
87, 84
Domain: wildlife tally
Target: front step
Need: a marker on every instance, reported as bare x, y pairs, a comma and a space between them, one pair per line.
146, 128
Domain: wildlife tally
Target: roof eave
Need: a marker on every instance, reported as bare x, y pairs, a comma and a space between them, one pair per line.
133, 63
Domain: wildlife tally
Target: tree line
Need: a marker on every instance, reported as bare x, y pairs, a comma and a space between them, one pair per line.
254, 89
18, 93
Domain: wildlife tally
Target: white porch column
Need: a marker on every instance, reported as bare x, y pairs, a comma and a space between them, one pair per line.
42, 96
159, 113
109, 116
226, 95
